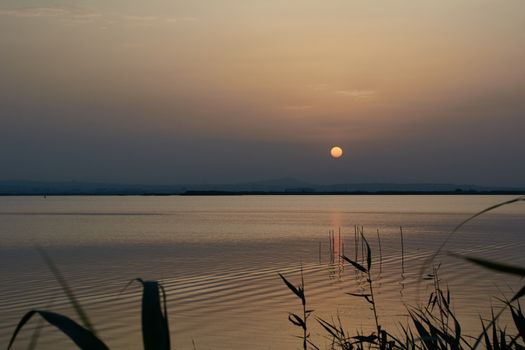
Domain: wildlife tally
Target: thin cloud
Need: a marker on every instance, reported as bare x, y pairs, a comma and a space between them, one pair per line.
319, 87
181, 19
36, 12
140, 18
131, 45
355, 93
358, 94
81, 18
67, 15
297, 107
74, 15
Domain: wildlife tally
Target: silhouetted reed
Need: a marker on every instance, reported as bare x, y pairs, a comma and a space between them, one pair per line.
433, 326
296, 320
155, 325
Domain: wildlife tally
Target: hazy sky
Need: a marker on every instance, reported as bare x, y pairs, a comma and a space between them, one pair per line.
232, 90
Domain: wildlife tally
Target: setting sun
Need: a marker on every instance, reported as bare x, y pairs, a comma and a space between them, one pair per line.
336, 152
156, 139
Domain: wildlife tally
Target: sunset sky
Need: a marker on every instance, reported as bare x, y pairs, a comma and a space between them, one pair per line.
220, 91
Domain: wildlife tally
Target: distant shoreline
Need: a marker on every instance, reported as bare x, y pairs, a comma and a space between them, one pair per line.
266, 193
272, 187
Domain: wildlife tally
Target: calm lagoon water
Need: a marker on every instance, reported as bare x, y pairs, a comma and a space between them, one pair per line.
218, 258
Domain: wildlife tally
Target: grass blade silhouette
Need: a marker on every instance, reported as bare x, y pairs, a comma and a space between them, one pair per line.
496, 266
519, 321
38, 329
82, 337
295, 319
355, 264
36, 335
368, 253
67, 290
296, 290
430, 259
493, 265
155, 325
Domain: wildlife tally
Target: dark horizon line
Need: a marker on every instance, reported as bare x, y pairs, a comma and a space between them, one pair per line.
263, 181
281, 186
266, 193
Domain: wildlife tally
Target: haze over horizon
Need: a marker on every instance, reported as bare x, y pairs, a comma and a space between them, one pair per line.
165, 92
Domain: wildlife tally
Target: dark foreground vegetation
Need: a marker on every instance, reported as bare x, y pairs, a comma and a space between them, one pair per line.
432, 326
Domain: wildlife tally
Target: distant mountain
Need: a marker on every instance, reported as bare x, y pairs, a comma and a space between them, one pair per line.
71, 187
389, 187
282, 185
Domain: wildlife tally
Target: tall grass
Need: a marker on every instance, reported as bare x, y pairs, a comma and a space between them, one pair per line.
434, 326
296, 320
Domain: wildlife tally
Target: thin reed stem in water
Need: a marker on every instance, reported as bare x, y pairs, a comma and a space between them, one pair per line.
402, 250
380, 252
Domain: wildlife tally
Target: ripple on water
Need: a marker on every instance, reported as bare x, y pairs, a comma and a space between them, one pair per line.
224, 291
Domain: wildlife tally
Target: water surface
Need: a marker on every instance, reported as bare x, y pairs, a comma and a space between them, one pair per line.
218, 258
